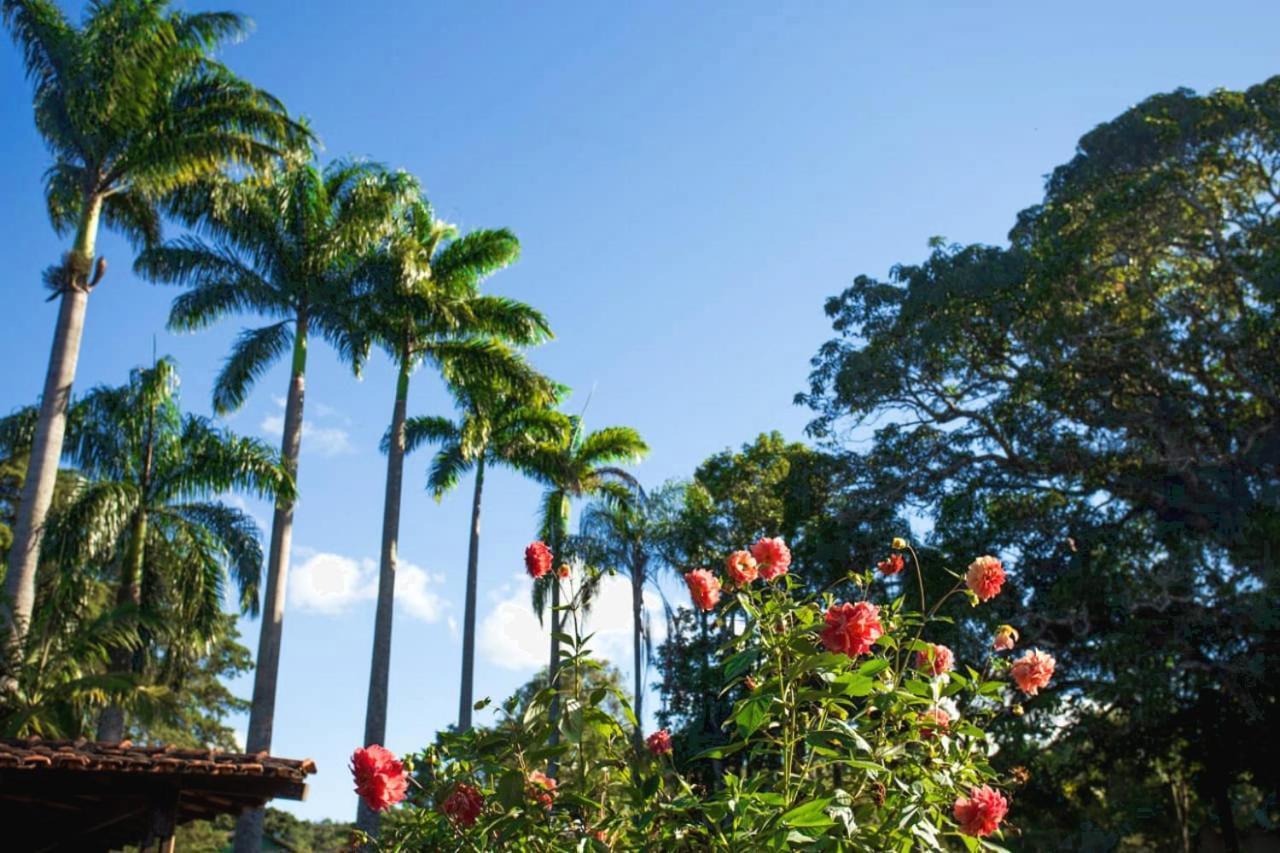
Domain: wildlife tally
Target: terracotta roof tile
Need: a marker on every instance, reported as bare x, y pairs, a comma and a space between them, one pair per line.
30, 753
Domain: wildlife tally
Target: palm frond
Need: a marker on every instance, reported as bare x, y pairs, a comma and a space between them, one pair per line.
425, 429
447, 468
254, 352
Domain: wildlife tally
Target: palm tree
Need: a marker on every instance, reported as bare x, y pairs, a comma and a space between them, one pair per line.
132, 107
497, 426
576, 465
618, 533
146, 505
284, 245
425, 307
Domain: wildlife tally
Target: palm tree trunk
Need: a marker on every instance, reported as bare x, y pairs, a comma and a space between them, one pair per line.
637, 632
375, 718
46, 449
466, 698
111, 720
553, 668
262, 712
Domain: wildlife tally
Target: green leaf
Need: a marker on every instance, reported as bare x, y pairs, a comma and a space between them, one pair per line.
738, 664
511, 789
873, 667
751, 715
808, 814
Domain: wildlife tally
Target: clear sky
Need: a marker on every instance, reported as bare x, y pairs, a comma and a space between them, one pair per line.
689, 182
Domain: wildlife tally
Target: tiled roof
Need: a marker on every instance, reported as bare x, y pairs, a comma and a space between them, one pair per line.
34, 752
77, 796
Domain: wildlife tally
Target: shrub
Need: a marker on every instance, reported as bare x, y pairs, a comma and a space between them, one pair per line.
854, 732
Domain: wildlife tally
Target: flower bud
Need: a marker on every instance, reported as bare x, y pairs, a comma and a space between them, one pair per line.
1006, 637
899, 544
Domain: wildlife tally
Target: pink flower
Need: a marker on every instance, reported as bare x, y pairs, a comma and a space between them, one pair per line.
891, 565
380, 777
1005, 638
741, 567
1033, 671
852, 628
542, 788
932, 720
659, 742
704, 588
980, 813
937, 659
537, 559
463, 805
773, 555
985, 577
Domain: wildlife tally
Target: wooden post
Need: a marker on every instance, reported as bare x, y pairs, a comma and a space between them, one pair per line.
162, 821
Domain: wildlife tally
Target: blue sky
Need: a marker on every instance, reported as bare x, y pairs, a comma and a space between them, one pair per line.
689, 183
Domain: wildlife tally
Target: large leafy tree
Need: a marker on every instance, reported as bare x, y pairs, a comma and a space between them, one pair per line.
286, 245
425, 308
1100, 401
766, 487
132, 106
146, 507
497, 425
575, 465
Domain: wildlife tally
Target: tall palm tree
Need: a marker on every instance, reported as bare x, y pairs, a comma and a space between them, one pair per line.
147, 506
578, 464
498, 426
285, 245
132, 106
426, 308
618, 533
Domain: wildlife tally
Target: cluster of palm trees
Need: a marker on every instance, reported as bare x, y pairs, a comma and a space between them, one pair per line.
143, 125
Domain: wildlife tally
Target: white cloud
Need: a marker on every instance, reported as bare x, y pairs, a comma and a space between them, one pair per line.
510, 636
415, 594
327, 441
331, 583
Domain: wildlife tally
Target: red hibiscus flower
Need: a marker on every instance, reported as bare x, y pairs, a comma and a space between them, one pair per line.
933, 720
891, 565
463, 805
704, 588
537, 559
852, 628
742, 567
380, 778
1033, 671
937, 659
659, 742
980, 813
542, 788
773, 555
985, 577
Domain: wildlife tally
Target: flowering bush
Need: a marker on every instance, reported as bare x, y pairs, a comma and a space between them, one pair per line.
853, 732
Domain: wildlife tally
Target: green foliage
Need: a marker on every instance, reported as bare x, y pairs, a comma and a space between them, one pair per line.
284, 244
841, 753
1101, 400
281, 831
133, 106
137, 556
